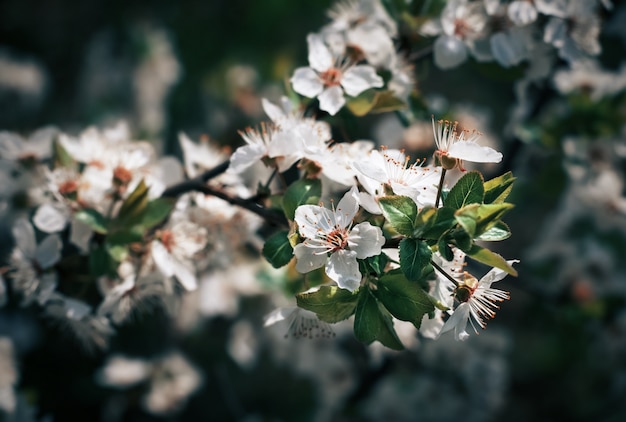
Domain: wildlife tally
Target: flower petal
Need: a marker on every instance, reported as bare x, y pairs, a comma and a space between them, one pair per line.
471, 151
449, 52
366, 240
49, 251
458, 321
312, 218
306, 82
331, 100
360, 78
320, 57
49, 219
344, 269
245, 156
306, 258
347, 207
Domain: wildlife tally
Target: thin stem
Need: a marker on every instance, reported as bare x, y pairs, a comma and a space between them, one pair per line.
421, 54
195, 183
440, 188
268, 215
444, 273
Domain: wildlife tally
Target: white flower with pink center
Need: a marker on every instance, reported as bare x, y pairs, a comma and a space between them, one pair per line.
328, 79
331, 241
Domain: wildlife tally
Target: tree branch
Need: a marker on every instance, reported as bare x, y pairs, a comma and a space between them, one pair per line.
196, 183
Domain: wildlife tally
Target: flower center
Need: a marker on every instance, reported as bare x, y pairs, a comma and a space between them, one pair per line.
122, 176
167, 238
68, 188
331, 77
337, 239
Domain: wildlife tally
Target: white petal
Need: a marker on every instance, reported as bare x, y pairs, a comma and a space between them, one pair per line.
458, 321
494, 275
347, 207
366, 240
162, 259
320, 57
273, 111
312, 218
360, 78
306, 82
471, 151
24, 235
278, 315
80, 235
344, 269
245, 156
11, 145
508, 48
449, 52
368, 202
49, 251
331, 100
185, 273
50, 219
307, 260
522, 12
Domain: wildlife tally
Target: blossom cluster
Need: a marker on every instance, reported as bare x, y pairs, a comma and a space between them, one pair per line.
103, 229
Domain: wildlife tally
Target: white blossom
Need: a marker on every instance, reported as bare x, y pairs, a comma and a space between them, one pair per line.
332, 242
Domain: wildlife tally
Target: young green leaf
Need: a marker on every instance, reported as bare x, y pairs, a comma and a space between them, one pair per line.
433, 222
277, 249
155, 212
330, 303
498, 231
478, 218
93, 219
403, 298
61, 157
490, 258
468, 190
415, 257
302, 192
373, 322
372, 101
498, 188
400, 212
135, 204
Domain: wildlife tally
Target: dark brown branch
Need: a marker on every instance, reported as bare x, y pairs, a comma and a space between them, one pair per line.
273, 217
196, 183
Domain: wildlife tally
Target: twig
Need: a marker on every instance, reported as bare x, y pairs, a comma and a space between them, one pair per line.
268, 215
195, 183
444, 273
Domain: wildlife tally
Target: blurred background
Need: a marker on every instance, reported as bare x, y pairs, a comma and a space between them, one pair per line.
555, 351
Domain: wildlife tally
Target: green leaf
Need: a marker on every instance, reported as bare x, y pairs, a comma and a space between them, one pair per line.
498, 231
376, 264
373, 322
117, 252
468, 190
445, 250
372, 101
404, 299
490, 258
100, 263
135, 204
302, 192
498, 188
93, 219
478, 218
61, 157
125, 237
400, 212
461, 239
330, 303
432, 223
155, 212
277, 249
415, 257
